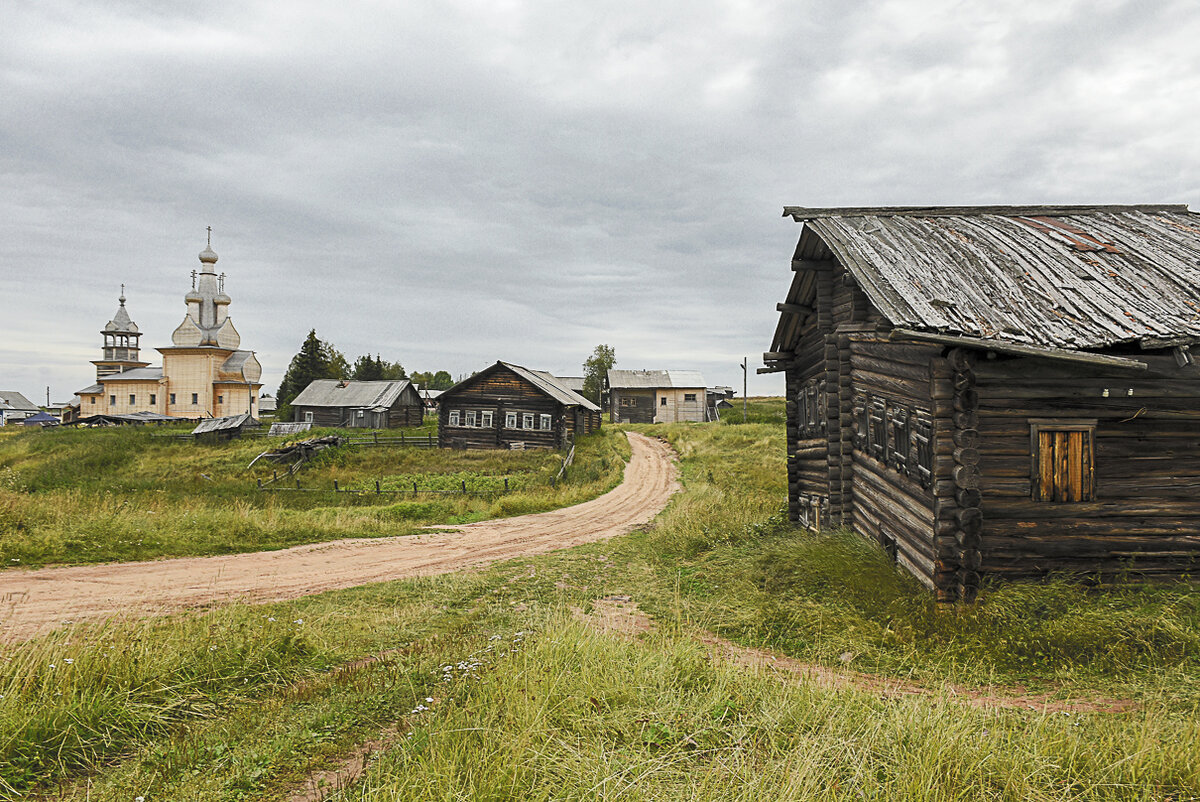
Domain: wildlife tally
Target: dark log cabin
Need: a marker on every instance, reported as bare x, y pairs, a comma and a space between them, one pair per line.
995, 392
508, 406
355, 404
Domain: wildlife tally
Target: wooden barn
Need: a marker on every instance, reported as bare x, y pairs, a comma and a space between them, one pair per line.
508, 406
656, 396
994, 392
355, 404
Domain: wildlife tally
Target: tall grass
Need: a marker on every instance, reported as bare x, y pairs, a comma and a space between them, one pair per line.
122, 494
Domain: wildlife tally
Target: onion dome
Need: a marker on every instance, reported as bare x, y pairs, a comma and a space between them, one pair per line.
208, 256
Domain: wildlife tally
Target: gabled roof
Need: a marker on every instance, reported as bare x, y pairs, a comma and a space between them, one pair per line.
551, 386
17, 402
654, 379
359, 395
1068, 277
546, 382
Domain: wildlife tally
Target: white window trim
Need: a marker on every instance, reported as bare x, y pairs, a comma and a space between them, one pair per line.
527, 420
510, 420
486, 419
471, 418
454, 418
308, 417
546, 422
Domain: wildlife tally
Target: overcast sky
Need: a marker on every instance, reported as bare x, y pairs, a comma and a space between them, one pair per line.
452, 183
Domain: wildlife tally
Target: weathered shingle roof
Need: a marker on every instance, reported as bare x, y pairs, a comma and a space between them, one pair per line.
650, 379
1073, 277
135, 374
360, 395
227, 423
551, 386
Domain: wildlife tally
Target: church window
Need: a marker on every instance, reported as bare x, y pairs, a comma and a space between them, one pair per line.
112, 400
195, 398
132, 399
93, 399
153, 399
172, 398
220, 399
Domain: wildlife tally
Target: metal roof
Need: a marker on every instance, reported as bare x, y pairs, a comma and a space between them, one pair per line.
336, 393
551, 386
1070, 277
17, 402
653, 379
572, 383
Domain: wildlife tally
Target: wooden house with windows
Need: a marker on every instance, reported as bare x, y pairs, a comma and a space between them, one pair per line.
508, 406
359, 404
995, 392
656, 396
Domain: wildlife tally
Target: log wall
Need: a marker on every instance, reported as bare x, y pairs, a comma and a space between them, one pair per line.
501, 391
1145, 514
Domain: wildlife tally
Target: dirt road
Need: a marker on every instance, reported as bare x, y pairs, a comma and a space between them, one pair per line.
34, 602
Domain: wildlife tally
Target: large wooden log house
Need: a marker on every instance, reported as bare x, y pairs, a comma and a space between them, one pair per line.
509, 406
996, 392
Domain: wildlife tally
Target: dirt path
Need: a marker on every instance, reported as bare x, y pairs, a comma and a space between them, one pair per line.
34, 602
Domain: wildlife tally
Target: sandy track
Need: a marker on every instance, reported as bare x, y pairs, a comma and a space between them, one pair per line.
34, 602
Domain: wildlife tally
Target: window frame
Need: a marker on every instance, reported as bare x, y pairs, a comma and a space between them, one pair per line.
453, 418
510, 420
112, 400
487, 419
546, 422
172, 399
1038, 426
689, 397
527, 420
133, 399
195, 399
470, 418
153, 399
308, 417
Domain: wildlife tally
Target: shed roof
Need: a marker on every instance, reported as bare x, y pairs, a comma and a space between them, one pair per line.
651, 379
364, 395
1069, 277
227, 423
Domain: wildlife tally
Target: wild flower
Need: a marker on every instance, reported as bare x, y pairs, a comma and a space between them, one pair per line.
69, 661
298, 621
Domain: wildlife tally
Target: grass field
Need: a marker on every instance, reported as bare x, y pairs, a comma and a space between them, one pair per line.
123, 494
491, 685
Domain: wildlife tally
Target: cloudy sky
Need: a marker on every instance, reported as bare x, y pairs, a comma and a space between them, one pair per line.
451, 183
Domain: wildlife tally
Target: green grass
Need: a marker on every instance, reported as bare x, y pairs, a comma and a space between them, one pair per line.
123, 494
230, 705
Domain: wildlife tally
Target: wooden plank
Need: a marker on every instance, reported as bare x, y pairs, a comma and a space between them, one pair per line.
1042, 352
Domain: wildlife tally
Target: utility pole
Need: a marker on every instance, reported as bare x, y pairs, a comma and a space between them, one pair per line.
745, 373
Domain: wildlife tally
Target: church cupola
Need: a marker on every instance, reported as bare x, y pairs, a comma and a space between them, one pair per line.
121, 348
207, 321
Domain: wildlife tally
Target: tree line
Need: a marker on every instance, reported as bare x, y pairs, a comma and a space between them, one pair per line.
318, 359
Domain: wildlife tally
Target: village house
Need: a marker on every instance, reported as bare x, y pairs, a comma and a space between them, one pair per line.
508, 406
656, 396
995, 392
15, 407
204, 374
359, 404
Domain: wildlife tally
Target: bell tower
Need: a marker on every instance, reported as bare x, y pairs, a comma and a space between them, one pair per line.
121, 349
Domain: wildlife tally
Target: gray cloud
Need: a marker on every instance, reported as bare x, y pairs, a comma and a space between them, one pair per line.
448, 183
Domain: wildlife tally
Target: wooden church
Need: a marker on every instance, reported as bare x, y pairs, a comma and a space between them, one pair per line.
995, 392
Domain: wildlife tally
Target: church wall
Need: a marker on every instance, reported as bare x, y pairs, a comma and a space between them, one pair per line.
120, 391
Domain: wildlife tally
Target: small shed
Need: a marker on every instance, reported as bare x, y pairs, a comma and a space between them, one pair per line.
41, 419
509, 406
657, 396
15, 407
997, 392
359, 404
225, 428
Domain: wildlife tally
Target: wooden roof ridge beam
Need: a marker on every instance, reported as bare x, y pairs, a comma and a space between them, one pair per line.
802, 213
1018, 349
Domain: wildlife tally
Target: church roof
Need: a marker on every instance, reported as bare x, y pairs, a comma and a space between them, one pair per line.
121, 321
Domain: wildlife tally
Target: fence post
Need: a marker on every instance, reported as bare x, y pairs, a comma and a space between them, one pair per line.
274, 476
297, 484
335, 486
464, 487
260, 484
552, 481
414, 489
505, 484
376, 487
